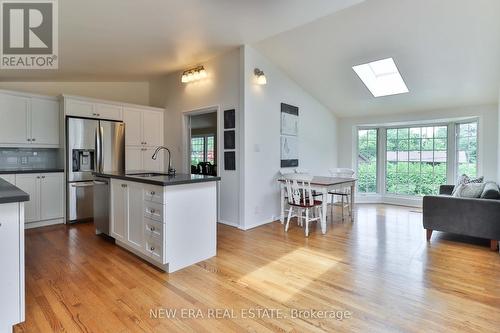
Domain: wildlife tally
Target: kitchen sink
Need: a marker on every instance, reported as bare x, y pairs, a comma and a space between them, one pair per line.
147, 174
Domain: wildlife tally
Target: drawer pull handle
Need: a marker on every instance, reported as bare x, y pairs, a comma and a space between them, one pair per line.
152, 248
152, 228
153, 192
152, 211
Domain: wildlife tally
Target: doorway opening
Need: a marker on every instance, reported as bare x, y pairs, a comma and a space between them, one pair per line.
203, 143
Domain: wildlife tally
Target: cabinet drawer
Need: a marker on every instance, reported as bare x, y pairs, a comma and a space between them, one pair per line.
153, 211
153, 228
155, 249
154, 194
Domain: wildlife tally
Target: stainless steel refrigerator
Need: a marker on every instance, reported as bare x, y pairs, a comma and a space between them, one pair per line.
92, 145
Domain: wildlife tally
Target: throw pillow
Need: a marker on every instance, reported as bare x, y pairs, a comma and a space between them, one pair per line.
472, 190
464, 179
490, 191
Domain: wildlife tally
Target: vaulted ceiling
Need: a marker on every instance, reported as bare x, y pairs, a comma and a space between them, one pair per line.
139, 39
448, 52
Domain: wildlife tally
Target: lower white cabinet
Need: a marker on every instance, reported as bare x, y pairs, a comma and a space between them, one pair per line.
46, 193
131, 219
10, 178
139, 158
12, 264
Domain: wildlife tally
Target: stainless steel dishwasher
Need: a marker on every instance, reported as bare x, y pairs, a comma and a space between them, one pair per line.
101, 205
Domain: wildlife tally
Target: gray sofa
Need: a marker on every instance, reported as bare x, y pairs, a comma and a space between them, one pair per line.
471, 217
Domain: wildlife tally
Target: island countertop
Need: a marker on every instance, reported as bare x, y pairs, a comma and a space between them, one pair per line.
10, 193
160, 179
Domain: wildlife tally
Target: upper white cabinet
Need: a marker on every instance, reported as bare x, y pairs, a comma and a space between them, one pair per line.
91, 109
29, 121
14, 123
143, 127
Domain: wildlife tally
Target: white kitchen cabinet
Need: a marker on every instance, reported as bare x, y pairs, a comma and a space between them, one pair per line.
14, 119
139, 158
30, 183
119, 209
29, 121
91, 109
46, 193
10, 178
12, 265
152, 128
134, 220
143, 127
51, 196
44, 122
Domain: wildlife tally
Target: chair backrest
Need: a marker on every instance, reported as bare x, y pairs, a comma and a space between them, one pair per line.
298, 188
342, 172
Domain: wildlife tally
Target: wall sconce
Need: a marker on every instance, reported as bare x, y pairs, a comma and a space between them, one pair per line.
260, 77
194, 74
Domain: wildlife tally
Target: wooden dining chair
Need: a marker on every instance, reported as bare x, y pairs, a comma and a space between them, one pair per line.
344, 194
300, 198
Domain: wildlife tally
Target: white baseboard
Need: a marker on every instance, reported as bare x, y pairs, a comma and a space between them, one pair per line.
39, 224
258, 224
231, 224
390, 200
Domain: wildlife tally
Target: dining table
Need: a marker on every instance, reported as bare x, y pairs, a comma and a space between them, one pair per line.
322, 185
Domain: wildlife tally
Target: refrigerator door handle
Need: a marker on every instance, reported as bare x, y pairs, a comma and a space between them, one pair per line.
98, 149
101, 158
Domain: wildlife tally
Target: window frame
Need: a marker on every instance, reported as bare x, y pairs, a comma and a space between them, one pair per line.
452, 150
205, 146
377, 154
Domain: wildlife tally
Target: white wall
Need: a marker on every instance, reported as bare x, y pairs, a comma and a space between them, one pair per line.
488, 132
498, 139
129, 92
222, 89
317, 136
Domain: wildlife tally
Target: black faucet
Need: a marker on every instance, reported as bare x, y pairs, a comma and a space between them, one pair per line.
171, 171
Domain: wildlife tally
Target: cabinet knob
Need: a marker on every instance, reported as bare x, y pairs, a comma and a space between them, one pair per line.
152, 228
152, 211
152, 248
153, 192
0, 224
33, 139
43, 176
124, 185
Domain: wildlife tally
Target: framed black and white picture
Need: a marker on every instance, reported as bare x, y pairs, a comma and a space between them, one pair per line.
289, 136
229, 119
229, 139
229, 160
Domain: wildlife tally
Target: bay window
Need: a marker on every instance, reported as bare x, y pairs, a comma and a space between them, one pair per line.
415, 160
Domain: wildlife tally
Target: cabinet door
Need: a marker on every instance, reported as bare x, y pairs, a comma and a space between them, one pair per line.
133, 158
10, 248
135, 227
150, 164
14, 119
10, 178
80, 109
44, 122
30, 183
108, 111
133, 126
119, 209
51, 196
152, 128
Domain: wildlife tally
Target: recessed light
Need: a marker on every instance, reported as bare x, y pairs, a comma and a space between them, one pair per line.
381, 77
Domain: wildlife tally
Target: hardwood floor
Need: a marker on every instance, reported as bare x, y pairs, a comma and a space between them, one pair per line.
380, 269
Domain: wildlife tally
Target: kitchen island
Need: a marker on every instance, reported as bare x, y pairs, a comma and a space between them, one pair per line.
169, 221
12, 259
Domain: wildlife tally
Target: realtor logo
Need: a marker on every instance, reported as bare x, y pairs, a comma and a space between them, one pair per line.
29, 38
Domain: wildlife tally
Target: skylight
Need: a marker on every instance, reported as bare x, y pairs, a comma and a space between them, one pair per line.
381, 77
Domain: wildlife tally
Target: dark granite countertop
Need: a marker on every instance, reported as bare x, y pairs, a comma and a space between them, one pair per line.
17, 171
161, 180
9, 193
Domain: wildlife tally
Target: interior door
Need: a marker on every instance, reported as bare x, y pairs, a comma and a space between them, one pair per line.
51, 196
133, 126
30, 183
44, 121
152, 128
14, 119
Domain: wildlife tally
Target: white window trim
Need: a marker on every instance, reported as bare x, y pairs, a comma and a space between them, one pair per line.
205, 143
451, 173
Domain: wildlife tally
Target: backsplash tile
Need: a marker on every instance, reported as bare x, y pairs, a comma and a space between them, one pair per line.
29, 158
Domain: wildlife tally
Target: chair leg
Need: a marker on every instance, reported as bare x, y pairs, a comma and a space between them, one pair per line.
494, 245
342, 208
307, 222
348, 205
288, 219
429, 234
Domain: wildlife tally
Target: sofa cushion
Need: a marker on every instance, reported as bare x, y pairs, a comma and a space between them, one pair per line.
490, 191
472, 190
464, 179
